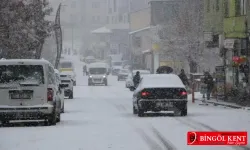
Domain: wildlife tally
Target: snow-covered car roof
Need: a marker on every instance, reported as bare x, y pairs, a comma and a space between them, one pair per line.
25, 61
161, 81
97, 65
142, 71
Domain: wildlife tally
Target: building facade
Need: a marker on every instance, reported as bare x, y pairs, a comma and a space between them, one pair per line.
228, 19
213, 22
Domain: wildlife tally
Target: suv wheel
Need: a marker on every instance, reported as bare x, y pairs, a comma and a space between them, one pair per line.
52, 119
58, 118
62, 109
71, 96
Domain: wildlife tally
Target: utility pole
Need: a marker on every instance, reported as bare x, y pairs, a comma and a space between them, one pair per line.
72, 51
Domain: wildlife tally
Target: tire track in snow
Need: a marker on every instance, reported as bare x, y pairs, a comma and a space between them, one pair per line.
196, 125
167, 144
152, 143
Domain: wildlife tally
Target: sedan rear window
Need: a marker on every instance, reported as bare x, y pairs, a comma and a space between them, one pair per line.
18, 73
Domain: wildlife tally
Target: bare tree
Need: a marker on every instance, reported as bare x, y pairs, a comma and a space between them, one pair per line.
183, 34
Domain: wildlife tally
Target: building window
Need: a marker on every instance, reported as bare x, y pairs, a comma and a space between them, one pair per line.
208, 5
243, 7
240, 7
217, 5
73, 4
226, 8
83, 19
110, 10
115, 5
120, 18
95, 4
107, 20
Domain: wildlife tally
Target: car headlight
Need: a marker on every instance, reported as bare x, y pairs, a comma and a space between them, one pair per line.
70, 76
90, 76
104, 76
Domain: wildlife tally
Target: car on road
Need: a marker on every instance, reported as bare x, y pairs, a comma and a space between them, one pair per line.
67, 85
160, 92
116, 67
123, 74
60, 89
28, 91
98, 74
129, 81
67, 67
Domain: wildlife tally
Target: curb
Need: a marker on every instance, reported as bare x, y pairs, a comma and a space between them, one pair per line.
226, 105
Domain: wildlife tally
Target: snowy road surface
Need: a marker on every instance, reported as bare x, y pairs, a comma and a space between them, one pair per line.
100, 118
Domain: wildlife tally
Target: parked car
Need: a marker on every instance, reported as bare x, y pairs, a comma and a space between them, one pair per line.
123, 74
160, 92
129, 82
67, 67
67, 84
60, 89
98, 74
28, 91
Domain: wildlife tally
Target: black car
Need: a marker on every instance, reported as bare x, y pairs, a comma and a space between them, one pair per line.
160, 92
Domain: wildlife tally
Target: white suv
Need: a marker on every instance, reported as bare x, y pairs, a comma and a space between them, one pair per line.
28, 91
67, 84
60, 89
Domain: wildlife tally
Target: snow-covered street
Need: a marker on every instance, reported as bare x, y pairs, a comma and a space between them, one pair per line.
100, 118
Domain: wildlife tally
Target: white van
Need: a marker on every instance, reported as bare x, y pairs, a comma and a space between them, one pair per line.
60, 89
67, 84
28, 91
67, 67
98, 73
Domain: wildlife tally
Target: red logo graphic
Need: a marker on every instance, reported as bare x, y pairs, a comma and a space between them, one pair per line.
217, 138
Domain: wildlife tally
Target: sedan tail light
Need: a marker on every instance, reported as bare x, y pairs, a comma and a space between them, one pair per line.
145, 94
183, 93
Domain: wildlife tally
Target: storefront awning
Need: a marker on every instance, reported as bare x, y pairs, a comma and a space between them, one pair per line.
101, 30
139, 30
146, 51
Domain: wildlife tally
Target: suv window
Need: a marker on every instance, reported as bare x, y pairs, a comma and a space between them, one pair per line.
18, 73
51, 75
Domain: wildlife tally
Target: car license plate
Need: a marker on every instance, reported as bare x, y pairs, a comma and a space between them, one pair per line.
167, 104
20, 96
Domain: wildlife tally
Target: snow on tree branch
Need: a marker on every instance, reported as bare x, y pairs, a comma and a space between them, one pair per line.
182, 35
24, 27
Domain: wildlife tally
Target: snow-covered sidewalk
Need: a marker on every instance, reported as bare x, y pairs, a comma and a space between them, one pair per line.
198, 97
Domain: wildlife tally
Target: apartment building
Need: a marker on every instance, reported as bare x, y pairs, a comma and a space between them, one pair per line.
117, 12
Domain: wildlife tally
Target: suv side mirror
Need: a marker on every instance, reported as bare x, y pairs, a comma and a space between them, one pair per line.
87, 73
107, 73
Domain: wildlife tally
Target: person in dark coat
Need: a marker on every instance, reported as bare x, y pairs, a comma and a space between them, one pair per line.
184, 78
209, 81
84, 69
136, 79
